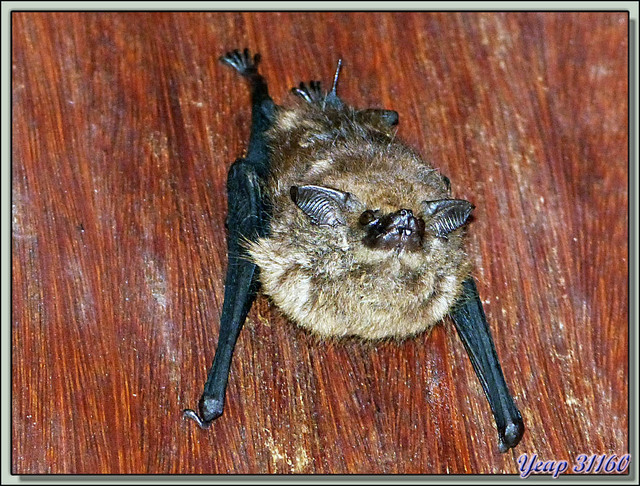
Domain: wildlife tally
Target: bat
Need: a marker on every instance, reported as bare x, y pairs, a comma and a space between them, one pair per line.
350, 233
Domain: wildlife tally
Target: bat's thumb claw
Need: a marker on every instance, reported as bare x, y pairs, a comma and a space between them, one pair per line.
210, 409
193, 415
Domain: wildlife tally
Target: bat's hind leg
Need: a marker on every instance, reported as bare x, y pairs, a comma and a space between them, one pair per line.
262, 106
247, 220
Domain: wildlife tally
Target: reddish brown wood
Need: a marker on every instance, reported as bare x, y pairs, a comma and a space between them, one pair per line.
124, 125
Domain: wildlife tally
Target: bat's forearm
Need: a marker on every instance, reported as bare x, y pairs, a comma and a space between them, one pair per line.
473, 329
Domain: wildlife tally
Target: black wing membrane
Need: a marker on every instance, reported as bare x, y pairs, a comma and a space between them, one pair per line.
247, 220
473, 329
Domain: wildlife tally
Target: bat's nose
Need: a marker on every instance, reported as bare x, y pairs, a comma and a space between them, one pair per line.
408, 228
398, 230
405, 215
405, 222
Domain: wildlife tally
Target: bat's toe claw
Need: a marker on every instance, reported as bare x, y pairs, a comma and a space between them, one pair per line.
242, 62
312, 93
210, 409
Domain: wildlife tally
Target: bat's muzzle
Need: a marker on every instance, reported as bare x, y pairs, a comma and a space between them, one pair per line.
400, 230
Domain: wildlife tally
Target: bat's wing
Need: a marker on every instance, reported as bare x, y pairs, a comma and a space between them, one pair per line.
473, 329
248, 219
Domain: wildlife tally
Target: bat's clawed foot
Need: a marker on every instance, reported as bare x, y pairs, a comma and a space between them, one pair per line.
210, 409
242, 62
511, 435
311, 93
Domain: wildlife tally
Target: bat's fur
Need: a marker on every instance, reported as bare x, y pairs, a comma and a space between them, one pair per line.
324, 278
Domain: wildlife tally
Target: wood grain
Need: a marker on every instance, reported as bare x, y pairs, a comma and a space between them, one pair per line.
124, 125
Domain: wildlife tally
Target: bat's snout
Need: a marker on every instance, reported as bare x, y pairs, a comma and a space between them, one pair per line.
400, 230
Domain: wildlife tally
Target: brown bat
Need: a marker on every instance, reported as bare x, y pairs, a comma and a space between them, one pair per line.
353, 235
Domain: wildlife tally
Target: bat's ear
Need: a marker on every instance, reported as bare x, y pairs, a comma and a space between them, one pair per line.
447, 215
323, 205
385, 118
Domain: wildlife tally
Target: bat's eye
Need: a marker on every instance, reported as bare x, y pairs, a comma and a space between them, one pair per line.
368, 217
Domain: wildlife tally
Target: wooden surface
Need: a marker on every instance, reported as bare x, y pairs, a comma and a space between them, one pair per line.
124, 126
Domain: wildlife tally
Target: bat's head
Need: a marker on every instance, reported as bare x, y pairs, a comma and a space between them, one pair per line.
396, 230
